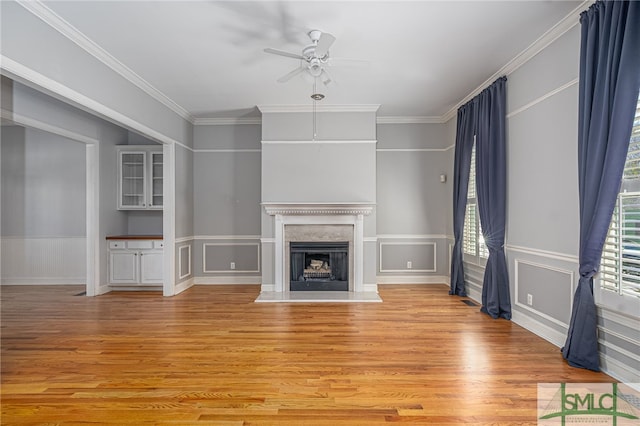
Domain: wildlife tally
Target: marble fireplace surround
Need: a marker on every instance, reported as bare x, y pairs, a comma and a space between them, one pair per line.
318, 222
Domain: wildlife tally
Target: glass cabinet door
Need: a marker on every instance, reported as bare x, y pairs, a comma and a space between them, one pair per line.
132, 193
156, 180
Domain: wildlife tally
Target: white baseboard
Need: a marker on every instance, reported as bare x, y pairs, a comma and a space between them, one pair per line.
370, 288
103, 289
184, 285
268, 288
412, 279
619, 371
555, 337
44, 281
227, 280
474, 294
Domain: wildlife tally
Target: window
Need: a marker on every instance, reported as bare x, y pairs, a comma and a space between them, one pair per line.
472, 239
620, 263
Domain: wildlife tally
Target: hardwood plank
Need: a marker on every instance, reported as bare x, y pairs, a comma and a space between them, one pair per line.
212, 356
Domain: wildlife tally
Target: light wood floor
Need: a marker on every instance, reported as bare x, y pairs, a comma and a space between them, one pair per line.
212, 356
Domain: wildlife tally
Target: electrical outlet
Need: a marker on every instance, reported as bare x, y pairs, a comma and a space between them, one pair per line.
529, 299
233, 265
409, 264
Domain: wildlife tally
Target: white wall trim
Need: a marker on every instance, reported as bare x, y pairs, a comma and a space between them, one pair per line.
188, 271
410, 120
265, 109
544, 253
185, 285
168, 219
225, 151
46, 127
549, 334
517, 262
449, 148
412, 279
59, 24
411, 236
619, 371
412, 243
221, 121
617, 335
229, 280
184, 239
543, 97
319, 141
79, 281
618, 317
226, 237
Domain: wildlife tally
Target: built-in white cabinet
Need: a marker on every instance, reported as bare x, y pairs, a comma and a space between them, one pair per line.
135, 262
140, 177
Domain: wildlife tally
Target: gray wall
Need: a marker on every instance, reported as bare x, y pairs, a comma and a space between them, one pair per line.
298, 126
413, 207
43, 184
318, 172
226, 215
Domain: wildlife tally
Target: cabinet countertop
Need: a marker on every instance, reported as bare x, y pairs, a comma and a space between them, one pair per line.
134, 237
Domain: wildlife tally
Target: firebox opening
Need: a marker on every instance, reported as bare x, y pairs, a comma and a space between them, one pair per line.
319, 266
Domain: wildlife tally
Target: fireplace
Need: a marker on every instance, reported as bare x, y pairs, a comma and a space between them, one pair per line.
326, 225
319, 266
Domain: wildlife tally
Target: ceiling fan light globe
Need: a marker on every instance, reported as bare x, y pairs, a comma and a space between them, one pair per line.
315, 70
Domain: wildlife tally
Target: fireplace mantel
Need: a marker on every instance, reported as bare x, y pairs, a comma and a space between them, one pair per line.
331, 214
315, 209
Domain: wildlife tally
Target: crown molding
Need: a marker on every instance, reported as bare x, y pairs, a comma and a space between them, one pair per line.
410, 120
318, 108
55, 21
229, 121
551, 35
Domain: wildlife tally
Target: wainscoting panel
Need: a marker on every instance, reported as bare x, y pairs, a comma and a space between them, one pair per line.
544, 290
412, 259
231, 257
44, 260
396, 256
184, 261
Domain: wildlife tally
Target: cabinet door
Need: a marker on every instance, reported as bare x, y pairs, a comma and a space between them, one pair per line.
132, 183
123, 267
155, 190
151, 266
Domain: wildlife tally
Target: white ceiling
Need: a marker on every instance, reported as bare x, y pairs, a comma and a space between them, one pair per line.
207, 56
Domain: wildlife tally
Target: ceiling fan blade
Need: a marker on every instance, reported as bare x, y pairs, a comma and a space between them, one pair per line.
325, 42
283, 53
290, 75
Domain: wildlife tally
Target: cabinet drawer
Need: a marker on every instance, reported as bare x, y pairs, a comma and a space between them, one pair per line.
117, 244
142, 244
158, 244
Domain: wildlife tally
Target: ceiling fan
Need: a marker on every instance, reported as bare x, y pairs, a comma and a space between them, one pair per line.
314, 58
